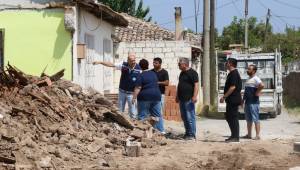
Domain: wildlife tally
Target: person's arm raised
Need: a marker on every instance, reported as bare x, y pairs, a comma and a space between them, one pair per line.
107, 64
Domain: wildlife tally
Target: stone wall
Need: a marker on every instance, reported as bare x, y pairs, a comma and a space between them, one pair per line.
169, 51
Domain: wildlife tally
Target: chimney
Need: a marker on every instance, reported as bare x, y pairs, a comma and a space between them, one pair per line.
178, 24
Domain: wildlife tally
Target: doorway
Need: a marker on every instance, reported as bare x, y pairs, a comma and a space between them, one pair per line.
1, 48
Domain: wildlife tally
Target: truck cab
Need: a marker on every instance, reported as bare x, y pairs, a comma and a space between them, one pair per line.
268, 70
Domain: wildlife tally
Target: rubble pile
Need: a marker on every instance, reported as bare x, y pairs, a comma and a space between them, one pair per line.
50, 123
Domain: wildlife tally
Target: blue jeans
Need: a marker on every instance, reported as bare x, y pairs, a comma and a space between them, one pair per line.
150, 108
127, 97
188, 116
252, 112
161, 118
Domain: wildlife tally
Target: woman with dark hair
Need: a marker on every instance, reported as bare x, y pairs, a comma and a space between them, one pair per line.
148, 95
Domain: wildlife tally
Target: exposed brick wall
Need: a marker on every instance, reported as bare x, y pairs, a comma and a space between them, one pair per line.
171, 111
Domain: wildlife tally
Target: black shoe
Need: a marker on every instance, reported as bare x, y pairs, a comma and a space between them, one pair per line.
189, 137
246, 137
232, 140
228, 138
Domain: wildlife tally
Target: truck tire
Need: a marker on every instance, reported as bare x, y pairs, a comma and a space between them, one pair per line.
278, 109
273, 114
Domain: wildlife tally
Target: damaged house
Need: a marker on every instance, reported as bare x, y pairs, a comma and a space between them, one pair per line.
149, 40
49, 35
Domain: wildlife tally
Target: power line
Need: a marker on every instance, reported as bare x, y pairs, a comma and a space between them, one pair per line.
287, 4
275, 24
226, 4
288, 17
192, 16
184, 18
275, 15
237, 9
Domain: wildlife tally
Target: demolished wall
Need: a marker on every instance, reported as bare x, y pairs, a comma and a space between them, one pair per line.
49, 123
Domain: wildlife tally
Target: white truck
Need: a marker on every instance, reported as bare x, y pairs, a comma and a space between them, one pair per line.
269, 69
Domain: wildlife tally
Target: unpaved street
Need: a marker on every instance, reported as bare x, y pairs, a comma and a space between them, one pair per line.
274, 151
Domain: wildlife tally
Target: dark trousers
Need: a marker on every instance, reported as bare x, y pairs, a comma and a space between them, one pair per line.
232, 118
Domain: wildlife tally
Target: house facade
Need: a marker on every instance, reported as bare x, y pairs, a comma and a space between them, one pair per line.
148, 40
49, 35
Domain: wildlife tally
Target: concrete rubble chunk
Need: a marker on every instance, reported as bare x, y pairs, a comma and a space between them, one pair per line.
133, 148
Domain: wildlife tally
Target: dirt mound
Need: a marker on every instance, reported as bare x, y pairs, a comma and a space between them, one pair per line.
49, 123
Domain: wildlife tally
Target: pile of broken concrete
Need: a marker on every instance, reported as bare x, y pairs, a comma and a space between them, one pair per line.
50, 123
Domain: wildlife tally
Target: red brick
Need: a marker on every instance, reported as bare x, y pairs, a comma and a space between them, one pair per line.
173, 112
167, 91
173, 92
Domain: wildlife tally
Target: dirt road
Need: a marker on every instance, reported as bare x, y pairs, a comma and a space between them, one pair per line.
274, 151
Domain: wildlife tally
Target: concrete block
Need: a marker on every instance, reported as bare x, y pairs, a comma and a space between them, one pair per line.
186, 44
179, 44
160, 44
147, 50
131, 45
119, 50
140, 44
167, 50
187, 50
125, 50
170, 44
149, 56
137, 50
182, 54
133, 149
157, 50
121, 45
169, 55
160, 55
150, 44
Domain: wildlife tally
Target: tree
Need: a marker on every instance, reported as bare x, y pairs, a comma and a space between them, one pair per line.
129, 7
235, 33
289, 43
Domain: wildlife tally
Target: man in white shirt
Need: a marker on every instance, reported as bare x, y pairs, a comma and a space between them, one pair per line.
253, 89
130, 72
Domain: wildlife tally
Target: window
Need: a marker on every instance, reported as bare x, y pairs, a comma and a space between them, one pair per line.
107, 45
89, 41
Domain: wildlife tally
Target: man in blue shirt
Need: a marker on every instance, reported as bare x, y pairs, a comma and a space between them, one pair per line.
129, 74
253, 87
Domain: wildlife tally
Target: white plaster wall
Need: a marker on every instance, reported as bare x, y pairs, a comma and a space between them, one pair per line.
169, 51
99, 29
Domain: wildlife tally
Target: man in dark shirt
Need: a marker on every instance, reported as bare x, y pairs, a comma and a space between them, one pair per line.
187, 92
148, 95
232, 97
163, 81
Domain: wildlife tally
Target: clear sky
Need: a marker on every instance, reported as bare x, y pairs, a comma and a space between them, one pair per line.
284, 12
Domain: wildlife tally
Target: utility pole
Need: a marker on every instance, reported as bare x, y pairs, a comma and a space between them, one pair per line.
196, 16
246, 25
206, 63
267, 24
213, 76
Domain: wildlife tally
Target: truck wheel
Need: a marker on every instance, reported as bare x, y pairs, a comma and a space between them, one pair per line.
278, 109
273, 114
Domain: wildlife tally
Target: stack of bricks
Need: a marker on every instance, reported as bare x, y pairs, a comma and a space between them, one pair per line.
171, 108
